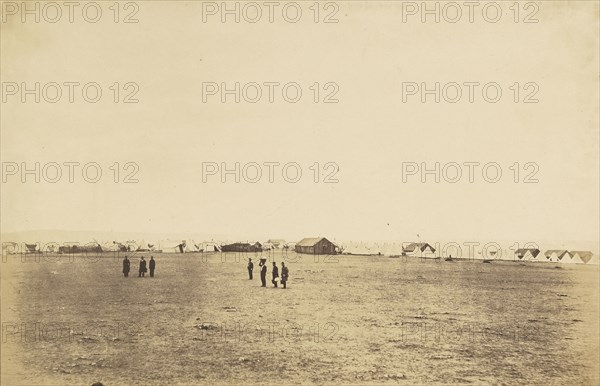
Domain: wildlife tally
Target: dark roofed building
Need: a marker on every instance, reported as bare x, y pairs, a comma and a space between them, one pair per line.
242, 247
316, 246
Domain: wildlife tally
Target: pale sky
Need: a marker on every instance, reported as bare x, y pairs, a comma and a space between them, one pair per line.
369, 133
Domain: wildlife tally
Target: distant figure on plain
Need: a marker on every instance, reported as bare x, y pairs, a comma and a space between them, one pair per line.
275, 274
284, 274
142, 272
152, 265
250, 269
263, 272
126, 266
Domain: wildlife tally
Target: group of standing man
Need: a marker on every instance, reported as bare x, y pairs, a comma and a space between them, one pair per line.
274, 273
143, 269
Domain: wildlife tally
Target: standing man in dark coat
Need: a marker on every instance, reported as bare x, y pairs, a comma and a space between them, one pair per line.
263, 272
284, 274
250, 269
275, 274
142, 272
152, 265
126, 266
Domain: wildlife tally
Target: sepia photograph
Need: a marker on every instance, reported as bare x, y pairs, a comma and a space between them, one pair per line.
309, 192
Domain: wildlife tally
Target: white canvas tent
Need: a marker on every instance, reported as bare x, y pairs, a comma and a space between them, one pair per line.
51, 247
277, 243
267, 246
395, 250
419, 250
384, 248
527, 254
109, 246
190, 246
171, 246
555, 255
567, 258
581, 257
541, 258
357, 248
209, 246
132, 245
142, 246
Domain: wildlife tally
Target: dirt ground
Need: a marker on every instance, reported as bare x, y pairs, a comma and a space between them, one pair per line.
75, 320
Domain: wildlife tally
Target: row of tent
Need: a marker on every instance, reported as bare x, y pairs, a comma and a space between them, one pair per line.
165, 246
393, 249
425, 250
557, 256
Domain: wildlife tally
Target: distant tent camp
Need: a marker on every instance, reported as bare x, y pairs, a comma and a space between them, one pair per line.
527, 254
582, 257
419, 250
556, 255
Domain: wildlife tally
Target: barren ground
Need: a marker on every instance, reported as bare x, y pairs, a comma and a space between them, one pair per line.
358, 320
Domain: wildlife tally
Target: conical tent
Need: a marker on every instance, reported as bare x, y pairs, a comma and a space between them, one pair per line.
395, 250
209, 246
555, 255
51, 247
374, 249
109, 246
582, 257
567, 259
364, 249
171, 246
527, 254
31, 248
132, 245
385, 249
143, 246
348, 248
190, 246
268, 246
